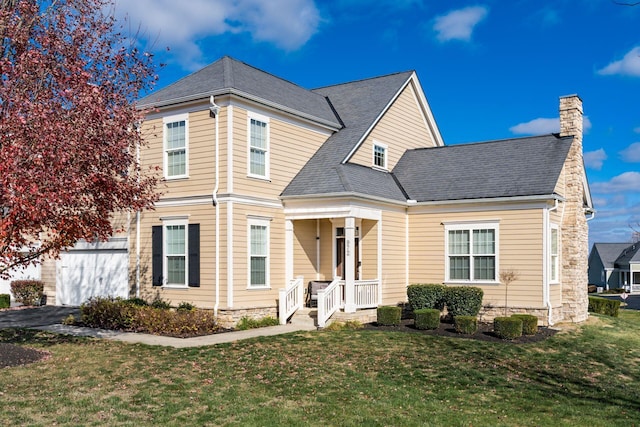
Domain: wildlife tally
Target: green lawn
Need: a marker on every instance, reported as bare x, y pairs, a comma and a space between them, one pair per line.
589, 376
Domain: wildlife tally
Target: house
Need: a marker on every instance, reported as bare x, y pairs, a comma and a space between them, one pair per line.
268, 186
615, 265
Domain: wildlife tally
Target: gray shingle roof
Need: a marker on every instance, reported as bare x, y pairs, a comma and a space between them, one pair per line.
358, 104
507, 168
618, 255
228, 75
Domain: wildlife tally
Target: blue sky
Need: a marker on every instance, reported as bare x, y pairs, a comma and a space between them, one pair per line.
490, 69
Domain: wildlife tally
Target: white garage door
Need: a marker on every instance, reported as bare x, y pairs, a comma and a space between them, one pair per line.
29, 272
92, 269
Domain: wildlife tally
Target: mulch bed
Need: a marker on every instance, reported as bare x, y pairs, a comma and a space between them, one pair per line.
16, 355
484, 333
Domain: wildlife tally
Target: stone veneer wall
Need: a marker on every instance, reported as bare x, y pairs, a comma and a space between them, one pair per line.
488, 313
229, 318
575, 246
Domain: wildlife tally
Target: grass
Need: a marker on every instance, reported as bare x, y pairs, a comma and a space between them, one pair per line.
588, 375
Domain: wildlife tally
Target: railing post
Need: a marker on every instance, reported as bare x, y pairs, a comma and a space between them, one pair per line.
282, 306
321, 308
300, 292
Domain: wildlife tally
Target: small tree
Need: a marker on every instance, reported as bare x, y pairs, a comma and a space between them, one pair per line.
507, 277
68, 144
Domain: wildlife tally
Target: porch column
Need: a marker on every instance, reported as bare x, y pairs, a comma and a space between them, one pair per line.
349, 264
288, 251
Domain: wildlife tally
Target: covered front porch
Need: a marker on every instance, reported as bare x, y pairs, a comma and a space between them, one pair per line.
343, 250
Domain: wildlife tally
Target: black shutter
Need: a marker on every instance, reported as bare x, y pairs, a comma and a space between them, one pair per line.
156, 257
194, 255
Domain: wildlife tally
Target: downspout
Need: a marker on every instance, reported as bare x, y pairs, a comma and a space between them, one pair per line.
546, 291
214, 112
138, 224
317, 249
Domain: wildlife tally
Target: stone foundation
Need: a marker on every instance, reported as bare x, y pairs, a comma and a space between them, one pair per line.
229, 318
488, 313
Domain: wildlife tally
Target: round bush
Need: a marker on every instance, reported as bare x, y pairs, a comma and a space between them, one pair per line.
427, 318
389, 315
507, 328
529, 323
465, 324
426, 296
5, 300
463, 300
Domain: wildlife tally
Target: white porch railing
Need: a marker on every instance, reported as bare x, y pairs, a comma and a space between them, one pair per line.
329, 300
366, 293
290, 299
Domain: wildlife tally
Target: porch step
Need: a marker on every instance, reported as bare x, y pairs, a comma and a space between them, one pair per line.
305, 316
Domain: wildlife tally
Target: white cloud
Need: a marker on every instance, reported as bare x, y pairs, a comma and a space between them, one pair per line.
459, 24
594, 159
629, 65
287, 24
541, 126
625, 182
637, 130
631, 154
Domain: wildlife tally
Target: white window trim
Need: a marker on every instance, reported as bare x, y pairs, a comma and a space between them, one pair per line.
267, 156
463, 225
172, 119
386, 155
262, 223
556, 280
165, 266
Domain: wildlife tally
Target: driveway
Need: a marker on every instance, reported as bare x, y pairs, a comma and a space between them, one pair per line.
36, 316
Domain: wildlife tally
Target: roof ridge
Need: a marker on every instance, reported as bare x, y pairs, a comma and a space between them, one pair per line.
495, 141
364, 79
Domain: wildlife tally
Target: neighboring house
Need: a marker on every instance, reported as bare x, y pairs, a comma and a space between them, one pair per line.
269, 186
615, 265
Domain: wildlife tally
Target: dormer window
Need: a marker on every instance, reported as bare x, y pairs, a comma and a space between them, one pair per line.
379, 155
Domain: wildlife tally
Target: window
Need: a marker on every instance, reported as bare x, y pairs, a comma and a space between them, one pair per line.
554, 261
471, 252
176, 254
379, 155
175, 146
258, 253
258, 147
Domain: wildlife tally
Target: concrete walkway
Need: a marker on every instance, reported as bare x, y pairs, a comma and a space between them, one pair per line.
138, 338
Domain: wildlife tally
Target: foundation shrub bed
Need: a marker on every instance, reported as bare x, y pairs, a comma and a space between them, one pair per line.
250, 323
465, 324
604, 306
389, 315
121, 314
5, 300
426, 296
529, 323
507, 328
427, 318
27, 292
463, 300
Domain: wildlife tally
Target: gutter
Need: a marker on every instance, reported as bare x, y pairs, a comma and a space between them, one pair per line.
214, 112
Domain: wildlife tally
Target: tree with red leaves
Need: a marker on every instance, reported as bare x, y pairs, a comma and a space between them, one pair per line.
68, 126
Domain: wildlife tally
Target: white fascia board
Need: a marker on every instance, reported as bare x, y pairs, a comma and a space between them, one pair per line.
472, 205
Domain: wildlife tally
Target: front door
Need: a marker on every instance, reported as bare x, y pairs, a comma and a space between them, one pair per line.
340, 254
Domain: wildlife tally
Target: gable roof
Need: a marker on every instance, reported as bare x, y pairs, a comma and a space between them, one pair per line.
515, 167
359, 105
230, 76
617, 255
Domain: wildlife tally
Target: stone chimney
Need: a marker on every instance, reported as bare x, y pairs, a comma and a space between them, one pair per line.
575, 231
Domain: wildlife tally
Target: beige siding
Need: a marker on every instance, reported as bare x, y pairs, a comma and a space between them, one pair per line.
305, 249
402, 128
394, 283
326, 250
561, 185
520, 249
290, 147
369, 249
203, 296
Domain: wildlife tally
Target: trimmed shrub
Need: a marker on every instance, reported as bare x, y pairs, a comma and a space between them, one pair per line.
507, 328
426, 296
427, 318
27, 292
180, 324
529, 323
389, 315
463, 300
250, 323
5, 300
604, 306
108, 313
160, 304
137, 302
465, 324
